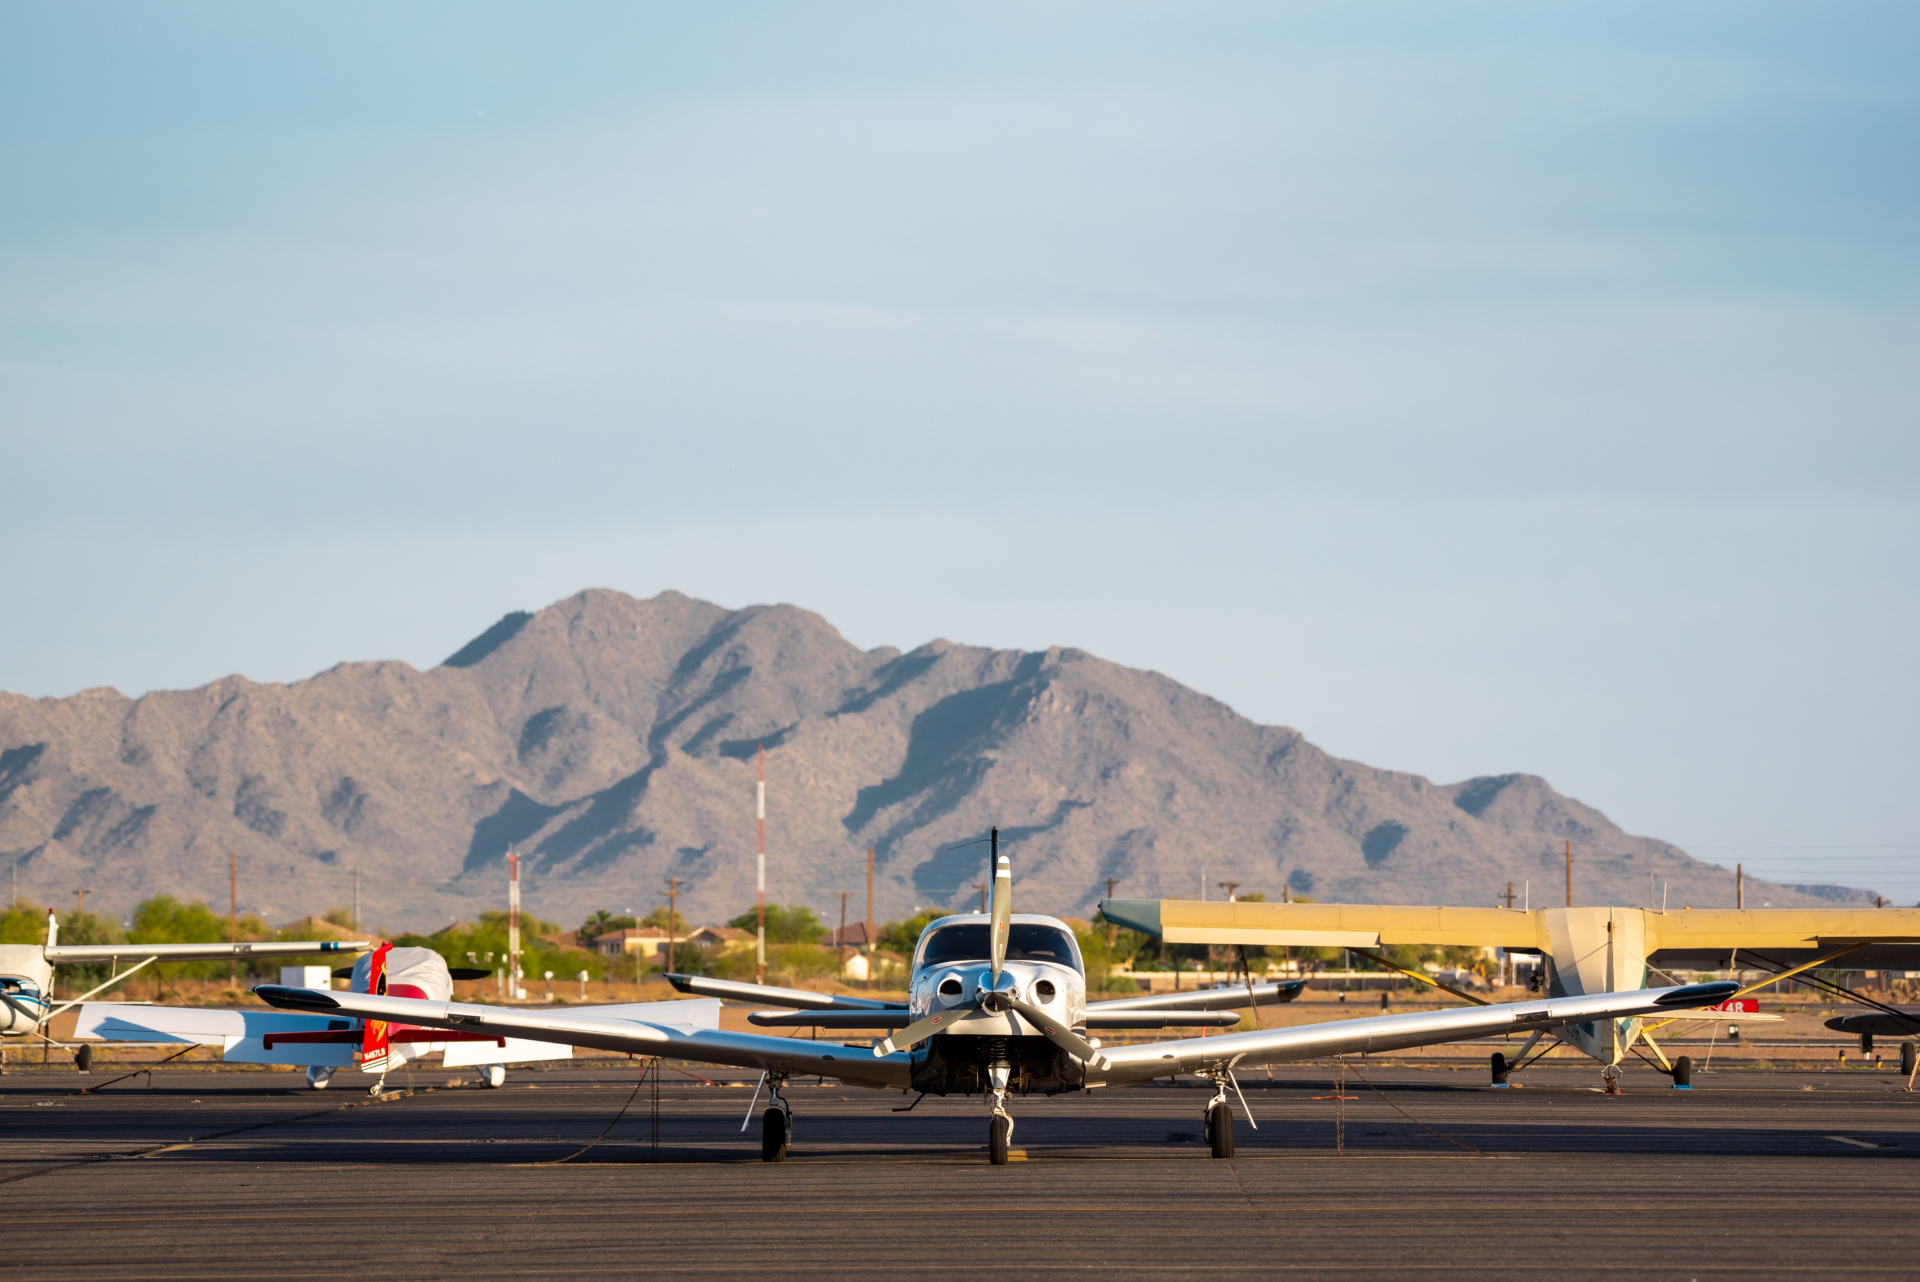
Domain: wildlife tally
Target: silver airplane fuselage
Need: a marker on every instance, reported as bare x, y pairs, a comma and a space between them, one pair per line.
1043, 968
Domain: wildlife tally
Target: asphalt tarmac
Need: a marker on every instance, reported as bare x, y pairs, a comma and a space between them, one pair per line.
216, 1174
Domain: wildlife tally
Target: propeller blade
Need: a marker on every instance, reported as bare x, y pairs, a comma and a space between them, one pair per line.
1001, 906
1059, 1034
914, 1034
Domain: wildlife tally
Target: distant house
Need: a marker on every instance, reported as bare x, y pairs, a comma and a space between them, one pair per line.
722, 938
456, 928
854, 936
857, 966
647, 941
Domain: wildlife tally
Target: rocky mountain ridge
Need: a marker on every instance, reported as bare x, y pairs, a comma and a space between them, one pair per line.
614, 743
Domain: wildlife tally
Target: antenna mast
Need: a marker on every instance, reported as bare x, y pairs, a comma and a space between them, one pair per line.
760, 812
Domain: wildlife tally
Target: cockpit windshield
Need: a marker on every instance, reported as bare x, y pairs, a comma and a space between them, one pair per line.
1026, 941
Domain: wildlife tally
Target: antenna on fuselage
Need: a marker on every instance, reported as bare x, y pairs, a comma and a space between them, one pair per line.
1001, 906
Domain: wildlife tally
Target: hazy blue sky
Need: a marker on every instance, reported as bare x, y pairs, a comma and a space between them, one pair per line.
1477, 388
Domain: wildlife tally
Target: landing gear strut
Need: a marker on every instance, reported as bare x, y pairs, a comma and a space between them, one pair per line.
776, 1126
1000, 1125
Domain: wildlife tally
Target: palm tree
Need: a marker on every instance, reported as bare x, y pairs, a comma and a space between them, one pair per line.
598, 924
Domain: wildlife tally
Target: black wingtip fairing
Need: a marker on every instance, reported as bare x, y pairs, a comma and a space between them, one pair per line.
284, 998
1698, 994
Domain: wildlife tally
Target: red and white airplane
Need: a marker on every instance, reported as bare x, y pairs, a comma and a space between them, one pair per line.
997, 1006
326, 1044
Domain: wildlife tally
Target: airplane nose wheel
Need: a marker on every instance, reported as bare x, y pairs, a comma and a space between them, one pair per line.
1219, 1127
999, 1138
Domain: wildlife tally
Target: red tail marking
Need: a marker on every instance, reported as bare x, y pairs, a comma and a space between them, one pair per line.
376, 1037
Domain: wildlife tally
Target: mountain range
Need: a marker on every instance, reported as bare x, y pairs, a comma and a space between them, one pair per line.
616, 742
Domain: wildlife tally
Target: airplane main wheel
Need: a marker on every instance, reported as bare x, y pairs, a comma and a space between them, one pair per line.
83, 1059
1683, 1073
775, 1135
1220, 1130
999, 1135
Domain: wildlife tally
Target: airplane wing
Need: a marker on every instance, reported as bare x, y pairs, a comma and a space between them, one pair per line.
67, 953
1097, 1018
768, 995
1127, 1065
857, 1065
1873, 1023
1223, 997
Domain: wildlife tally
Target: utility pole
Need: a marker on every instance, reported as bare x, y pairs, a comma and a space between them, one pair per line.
1230, 887
1569, 872
233, 918
981, 886
82, 895
1739, 886
760, 811
356, 897
1509, 896
840, 949
871, 961
1113, 932
513, 924
673, 916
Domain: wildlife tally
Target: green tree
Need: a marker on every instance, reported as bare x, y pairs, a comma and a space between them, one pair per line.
658, 920
83, 928
23, 923
601, 923
786, 924
904, 936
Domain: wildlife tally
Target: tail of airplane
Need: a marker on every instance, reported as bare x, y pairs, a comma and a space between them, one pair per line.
376, 1038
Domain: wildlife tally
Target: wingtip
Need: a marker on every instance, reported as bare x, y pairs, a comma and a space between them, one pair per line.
285, 998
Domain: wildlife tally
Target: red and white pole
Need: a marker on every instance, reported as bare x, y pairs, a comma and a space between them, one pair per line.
760, 811
513, 925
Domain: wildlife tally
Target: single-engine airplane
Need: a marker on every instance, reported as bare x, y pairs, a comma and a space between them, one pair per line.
997, 1005
26, 970
1582, 950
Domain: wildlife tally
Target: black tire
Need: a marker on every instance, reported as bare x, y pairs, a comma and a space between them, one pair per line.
999, 1134
83, 1059
1907, 1052
1220, 1130
1683, 1071
1500, 1068
774, 1135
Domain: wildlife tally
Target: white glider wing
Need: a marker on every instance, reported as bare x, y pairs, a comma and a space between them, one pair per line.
66, 954
598, 1031
1130, 1064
